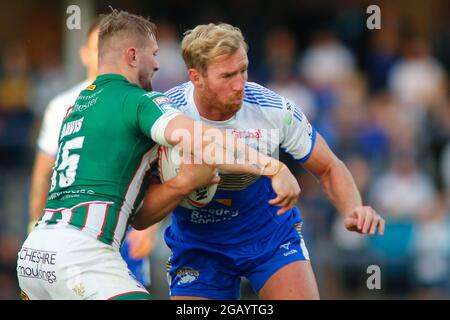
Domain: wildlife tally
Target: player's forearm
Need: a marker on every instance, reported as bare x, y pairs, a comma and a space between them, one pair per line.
218, 147
40, 184
159, 201
339, 186
38, 198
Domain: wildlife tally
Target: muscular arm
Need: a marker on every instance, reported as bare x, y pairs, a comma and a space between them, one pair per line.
336, 180
340, 188
224, 151
40, 184
168, 195
142, 242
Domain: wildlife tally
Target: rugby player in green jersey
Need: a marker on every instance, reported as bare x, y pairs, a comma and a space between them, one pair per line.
107, 144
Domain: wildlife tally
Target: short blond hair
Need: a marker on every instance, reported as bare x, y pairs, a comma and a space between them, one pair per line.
123, 23
207, 41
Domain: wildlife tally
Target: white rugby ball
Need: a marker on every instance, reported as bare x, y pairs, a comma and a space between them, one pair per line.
169, 166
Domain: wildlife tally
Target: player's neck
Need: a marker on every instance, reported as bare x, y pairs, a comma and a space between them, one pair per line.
91, 76
207, 111
107, 69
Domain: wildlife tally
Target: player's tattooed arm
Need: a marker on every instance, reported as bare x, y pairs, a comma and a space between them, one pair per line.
214, 146
162, 198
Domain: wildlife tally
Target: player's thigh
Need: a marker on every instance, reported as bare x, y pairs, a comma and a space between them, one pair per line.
106, 279
295, 281
199, 274
283, 270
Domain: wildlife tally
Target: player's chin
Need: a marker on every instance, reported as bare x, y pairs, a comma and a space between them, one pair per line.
235, 107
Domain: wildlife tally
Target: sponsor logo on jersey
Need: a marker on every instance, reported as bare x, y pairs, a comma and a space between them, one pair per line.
70, 193
80, 107
225, 202
163, 103
205, 216
161, 100
186, 275
91, 87
248, 134
288, 106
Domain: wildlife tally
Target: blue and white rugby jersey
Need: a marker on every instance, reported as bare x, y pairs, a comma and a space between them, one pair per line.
239, 212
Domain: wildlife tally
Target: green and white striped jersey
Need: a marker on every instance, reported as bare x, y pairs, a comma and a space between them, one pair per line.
104, 155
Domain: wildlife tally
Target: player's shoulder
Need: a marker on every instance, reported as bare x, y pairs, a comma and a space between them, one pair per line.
153, 99
138, 95
272, 105
258, 95
178, 94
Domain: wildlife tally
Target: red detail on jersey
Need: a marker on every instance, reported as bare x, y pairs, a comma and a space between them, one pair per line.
68, 112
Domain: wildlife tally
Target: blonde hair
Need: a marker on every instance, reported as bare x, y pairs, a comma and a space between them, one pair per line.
208, 41
123, 23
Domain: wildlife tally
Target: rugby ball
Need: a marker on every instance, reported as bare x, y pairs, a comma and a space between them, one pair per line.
169, 163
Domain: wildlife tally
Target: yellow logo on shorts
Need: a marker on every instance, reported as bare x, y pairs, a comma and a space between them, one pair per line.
79, 290
24, 296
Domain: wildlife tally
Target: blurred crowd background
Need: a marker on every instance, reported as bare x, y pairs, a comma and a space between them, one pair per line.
379, 97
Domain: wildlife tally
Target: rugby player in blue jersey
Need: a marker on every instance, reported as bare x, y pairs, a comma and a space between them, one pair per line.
240, 233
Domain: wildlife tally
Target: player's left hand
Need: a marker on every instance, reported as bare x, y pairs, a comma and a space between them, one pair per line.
364, 219
140, 243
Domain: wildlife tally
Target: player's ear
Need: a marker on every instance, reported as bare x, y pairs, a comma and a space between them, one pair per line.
130, 56
195, 76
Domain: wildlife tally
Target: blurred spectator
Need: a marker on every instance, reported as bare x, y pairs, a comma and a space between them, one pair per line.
383, 53
15, 123
404, 190
172, 69
417, 80
326, 66
432, 245
400, 195
280, 59
15, 117
48, 81
445, 168
327, 62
